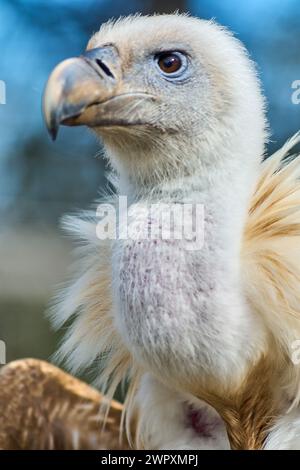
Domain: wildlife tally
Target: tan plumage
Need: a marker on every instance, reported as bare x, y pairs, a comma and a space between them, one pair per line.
42, 407
271, 246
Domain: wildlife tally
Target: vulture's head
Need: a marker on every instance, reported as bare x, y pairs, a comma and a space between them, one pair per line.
169, 95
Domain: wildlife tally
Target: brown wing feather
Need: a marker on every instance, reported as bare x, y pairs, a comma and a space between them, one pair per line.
42, 407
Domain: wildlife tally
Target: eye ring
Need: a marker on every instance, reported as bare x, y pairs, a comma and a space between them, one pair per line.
171, 63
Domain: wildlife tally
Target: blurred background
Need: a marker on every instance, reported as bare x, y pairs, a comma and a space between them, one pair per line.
41, 180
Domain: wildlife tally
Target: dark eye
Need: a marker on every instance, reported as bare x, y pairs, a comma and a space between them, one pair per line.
171, 63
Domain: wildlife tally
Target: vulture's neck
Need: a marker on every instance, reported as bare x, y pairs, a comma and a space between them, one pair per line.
223, 185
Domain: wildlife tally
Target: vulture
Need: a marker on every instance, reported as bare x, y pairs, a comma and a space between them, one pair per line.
201, 329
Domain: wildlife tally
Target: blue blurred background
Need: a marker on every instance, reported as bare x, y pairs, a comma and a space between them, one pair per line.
40, 180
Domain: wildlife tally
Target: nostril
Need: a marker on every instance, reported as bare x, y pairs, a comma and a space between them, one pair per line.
104, 68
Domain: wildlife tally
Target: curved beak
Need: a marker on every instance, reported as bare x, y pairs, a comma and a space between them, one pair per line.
88, 90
